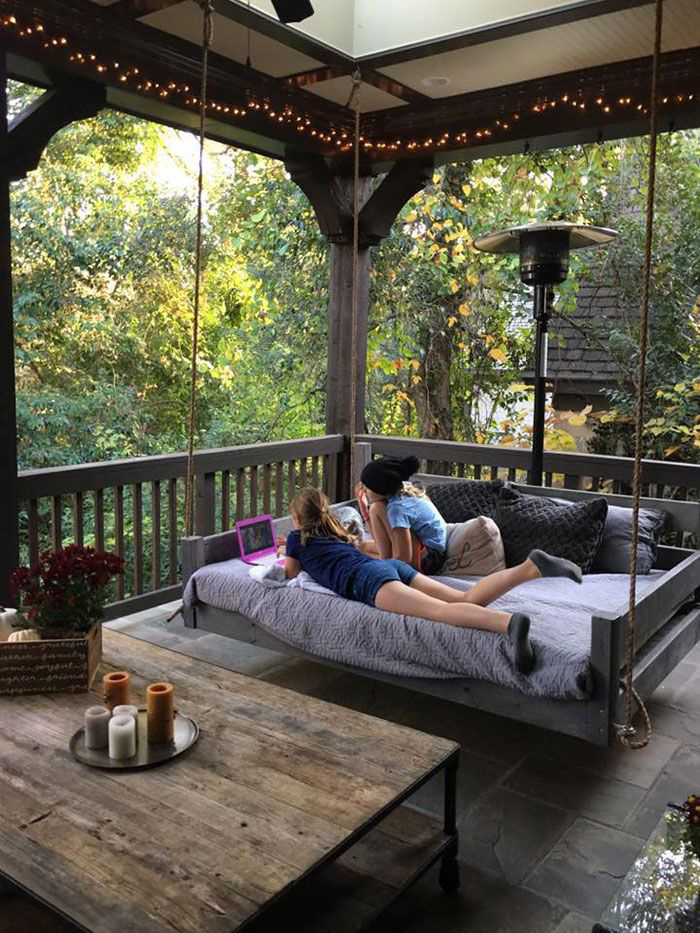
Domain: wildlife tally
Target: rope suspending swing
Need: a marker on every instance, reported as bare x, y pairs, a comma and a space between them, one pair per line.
354, 299
207, 34
627, 733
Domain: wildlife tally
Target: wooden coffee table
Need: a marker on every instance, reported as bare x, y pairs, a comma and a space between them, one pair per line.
287, 807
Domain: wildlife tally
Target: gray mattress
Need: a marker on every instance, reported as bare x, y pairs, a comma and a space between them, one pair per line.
352, 633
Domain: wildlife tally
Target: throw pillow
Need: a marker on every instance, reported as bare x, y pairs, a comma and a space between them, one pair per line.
474, 548
459, 502
613, 555
572, 530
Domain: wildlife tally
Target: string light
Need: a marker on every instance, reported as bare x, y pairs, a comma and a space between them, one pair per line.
337, 136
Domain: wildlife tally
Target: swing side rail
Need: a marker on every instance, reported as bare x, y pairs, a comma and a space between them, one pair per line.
668, 625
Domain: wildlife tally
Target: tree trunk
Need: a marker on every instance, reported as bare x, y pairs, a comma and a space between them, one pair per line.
433, 395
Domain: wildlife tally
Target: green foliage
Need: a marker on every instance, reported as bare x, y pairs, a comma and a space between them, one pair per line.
103, 236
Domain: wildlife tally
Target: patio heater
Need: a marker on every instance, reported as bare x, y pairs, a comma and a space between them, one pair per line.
544, 262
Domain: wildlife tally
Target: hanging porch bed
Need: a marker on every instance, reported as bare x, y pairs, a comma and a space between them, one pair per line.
578, 631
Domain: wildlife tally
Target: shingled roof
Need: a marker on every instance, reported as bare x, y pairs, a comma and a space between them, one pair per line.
578, 361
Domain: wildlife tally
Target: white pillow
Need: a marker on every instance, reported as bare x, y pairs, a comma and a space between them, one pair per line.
474, 549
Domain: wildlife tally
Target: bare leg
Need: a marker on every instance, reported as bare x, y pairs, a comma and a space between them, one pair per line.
397, 597
496, 584
369, 548
380, 529
432, 587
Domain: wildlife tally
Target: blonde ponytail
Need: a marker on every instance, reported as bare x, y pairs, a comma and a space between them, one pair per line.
312, 510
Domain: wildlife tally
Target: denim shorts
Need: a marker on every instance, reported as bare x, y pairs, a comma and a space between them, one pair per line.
372, 575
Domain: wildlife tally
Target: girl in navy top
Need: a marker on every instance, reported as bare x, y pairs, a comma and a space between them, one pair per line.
328, 552
402, 520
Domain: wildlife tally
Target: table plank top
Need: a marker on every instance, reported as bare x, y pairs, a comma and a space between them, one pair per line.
277, 782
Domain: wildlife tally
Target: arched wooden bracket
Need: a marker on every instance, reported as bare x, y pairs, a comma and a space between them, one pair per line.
331, 197
29, 132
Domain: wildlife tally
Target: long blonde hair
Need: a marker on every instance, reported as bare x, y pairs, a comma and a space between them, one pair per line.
410, 489
311, 507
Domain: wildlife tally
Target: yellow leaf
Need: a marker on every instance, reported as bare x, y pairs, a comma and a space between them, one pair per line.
498, 353
464, 309
679, 387
459, 248
467, 189
414, 364
462, 346
436, 178
608, 416
696, 387
451, 320
415, 380
454, 286
410, 217
473, 279
577, 420
671, 450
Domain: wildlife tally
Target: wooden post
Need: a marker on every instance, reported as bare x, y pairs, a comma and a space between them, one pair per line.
331, 196
9, 539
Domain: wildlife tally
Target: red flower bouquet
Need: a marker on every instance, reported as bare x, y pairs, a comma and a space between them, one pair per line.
64, 594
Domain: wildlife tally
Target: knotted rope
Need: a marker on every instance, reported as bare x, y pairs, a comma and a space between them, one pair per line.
207, 35
628, 734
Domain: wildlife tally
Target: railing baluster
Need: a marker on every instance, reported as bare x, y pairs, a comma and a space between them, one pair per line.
78, 518
155, 534
137, 517
511, 475
119, 534
279, 490
267, 508
548, 479
493, 472
172, 530
595, 483
205, 510
315, 480
98, 504
240, 504
225, 500
33, 515
477, 471
291, 480
56, 522
302, 473
572, 481
253, 491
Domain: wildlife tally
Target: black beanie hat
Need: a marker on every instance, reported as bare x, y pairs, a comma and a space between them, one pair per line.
386, 476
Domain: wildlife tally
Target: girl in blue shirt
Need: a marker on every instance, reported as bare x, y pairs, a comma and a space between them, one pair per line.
328, 552
402, 520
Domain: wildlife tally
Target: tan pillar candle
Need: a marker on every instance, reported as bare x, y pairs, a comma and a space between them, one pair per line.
116, 689
160, 712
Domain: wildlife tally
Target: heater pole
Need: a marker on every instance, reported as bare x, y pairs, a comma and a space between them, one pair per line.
542, 298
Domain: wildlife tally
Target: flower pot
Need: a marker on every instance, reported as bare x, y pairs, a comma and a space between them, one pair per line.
51, 665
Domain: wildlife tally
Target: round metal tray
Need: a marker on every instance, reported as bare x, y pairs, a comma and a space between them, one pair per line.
147, 755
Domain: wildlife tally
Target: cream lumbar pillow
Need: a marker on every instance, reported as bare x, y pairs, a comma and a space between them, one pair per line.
474, 548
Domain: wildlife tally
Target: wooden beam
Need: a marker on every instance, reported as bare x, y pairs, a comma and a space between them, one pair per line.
397, 187
9, 515
133, 9
27, 135
521, 25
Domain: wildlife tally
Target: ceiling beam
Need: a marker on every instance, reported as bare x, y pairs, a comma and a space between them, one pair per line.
531, 22
133, 9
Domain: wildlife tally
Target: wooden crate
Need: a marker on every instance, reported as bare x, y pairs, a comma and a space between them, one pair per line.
50, 665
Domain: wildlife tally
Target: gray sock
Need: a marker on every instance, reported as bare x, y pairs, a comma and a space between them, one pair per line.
519, 635
550, 566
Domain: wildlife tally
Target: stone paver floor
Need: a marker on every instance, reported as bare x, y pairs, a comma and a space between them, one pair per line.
548, 824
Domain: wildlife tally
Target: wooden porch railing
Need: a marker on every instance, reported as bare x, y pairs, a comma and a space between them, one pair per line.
661, 479
135, 507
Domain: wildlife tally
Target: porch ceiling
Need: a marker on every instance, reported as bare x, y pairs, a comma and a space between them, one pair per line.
448, 79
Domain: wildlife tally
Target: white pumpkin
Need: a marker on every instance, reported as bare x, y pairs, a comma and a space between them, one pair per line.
25, 634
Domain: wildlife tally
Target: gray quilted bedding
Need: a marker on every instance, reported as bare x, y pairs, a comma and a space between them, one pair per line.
355, 634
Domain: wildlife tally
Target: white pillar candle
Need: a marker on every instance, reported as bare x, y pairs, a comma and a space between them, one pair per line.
96, 726
122, 737
128, 710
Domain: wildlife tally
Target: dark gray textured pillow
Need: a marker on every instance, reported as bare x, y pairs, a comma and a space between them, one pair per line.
459, 502
613, 555
573, 530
